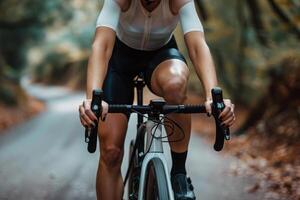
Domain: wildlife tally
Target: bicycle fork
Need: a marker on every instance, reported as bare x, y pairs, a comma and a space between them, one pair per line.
154, 149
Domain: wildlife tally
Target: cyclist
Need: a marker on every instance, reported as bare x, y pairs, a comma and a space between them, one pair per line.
134, 36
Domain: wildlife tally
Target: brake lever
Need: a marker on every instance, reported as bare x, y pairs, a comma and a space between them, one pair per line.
217, 107
91, 134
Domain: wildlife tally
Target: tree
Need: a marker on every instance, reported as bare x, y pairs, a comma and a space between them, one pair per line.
25, 27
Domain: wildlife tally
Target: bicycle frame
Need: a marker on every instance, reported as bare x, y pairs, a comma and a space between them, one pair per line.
154, 149
140, 84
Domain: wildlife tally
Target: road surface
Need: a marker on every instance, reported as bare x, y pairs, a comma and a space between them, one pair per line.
46, 157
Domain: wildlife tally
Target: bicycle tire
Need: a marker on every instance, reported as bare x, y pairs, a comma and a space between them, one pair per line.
156, 187
132, 182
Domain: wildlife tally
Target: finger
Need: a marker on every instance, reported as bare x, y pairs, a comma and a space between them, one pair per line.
83, 122
208, 107
89, 122
231, 122
227, 115
104, 110
224, 112
81, 119
91, 115
88, 111
103, 118
228, 121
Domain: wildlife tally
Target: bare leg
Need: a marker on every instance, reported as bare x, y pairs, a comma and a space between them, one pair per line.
109, 184
169, 80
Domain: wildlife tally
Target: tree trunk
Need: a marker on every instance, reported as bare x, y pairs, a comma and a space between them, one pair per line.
284, 18
257, 23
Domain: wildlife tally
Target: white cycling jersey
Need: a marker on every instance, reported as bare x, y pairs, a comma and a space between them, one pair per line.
144, 30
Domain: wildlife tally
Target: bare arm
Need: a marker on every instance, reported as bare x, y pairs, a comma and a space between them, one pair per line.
201, 57
196, 44
102, 48
205, 69
202, 60
98, 61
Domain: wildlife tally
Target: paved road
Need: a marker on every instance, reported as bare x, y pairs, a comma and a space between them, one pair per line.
46, 158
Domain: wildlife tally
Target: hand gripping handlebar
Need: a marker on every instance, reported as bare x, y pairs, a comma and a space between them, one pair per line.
91, 134
217, 107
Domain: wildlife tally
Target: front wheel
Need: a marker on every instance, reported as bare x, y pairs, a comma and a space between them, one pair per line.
156, 187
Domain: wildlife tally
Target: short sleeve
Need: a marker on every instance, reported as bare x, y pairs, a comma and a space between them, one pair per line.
109, 15
189, 19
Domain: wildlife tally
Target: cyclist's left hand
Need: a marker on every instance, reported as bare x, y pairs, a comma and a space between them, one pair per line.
227, 116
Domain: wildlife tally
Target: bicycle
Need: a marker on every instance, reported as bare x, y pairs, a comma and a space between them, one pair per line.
147, 174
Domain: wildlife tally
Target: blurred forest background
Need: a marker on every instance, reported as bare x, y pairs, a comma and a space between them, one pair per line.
256, 48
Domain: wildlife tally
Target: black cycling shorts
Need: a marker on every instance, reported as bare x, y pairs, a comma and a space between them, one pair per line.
126, 63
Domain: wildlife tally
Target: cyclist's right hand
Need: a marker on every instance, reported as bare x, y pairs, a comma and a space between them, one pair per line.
87, 118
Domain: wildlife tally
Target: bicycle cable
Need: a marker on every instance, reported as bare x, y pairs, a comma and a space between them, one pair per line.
161, 121
167, 124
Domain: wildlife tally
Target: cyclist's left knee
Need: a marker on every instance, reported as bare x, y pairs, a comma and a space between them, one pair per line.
174, 90
169, 80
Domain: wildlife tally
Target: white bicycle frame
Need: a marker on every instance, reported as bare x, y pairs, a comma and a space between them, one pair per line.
154, 149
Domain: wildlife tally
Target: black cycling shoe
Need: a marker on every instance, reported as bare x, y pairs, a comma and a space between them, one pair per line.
182, 187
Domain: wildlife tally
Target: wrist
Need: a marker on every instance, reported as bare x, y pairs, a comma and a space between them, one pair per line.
208, 98
208, 95
89, 92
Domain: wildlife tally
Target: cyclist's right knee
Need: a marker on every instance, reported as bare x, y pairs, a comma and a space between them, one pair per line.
112, 135
111, 156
